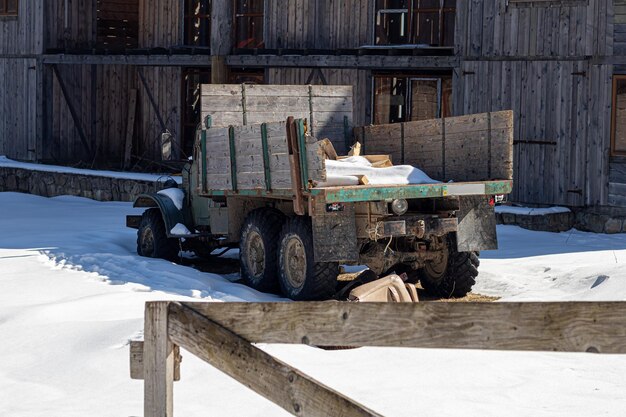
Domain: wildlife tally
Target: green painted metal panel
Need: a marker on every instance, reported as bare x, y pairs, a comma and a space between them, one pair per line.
266, 158
204, 167
498, 187
356, 194
233, 157
304, 163
373, 193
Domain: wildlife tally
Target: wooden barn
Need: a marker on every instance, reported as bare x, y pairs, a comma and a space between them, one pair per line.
96, 82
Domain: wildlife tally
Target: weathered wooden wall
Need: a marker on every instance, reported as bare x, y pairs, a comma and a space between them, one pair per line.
72, 27
619, 27
319, 24
165, 84
101, 96
75, 27
327, 109
490, 28
533, 60
160, 23
360, 80
477, 147
19, 133
23, 34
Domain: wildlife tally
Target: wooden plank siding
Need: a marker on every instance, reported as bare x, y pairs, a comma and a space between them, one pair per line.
534, 59
160, 23
165, 85
325, 107
105, 127
490, 28
318, 24
73, 27
23, 34
549, 61
18, 115
360, 80
113, 85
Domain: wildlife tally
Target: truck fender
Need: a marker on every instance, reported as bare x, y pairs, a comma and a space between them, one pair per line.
170, 213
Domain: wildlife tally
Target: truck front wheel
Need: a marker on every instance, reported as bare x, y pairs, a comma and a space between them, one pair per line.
453, 275
152, 241
300, 277
257, 249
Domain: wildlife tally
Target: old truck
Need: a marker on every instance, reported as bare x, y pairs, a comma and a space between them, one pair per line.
258, 182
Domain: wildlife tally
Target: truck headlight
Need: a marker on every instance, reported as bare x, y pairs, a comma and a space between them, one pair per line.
399, 206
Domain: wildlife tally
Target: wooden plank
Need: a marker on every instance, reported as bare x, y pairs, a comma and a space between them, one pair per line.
249, 365
158, 360
130, 127
136, 360
566, 327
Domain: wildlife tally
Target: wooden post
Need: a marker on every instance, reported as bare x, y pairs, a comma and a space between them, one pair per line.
130, 127
221, 39
159, 361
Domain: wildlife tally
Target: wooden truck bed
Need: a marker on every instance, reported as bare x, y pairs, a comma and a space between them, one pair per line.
260, 160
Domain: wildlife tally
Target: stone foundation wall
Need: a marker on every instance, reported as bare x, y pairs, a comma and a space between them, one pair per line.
553, 222
51, 184
588, 220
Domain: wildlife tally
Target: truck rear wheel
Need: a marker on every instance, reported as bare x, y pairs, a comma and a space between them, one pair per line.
152, 241
453, 276
257, 249
300, 277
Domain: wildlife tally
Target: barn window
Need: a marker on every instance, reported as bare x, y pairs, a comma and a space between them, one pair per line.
8, 7
416, 22
618, 137
411, 98
198, 23
249, 15
118, 24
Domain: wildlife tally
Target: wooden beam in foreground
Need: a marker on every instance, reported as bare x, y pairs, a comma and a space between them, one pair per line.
569, 327
287, 387
158, 361
136, 361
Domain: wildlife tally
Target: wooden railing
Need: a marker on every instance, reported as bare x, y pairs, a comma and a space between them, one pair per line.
222, 335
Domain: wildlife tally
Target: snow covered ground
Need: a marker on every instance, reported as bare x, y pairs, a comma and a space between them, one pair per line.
72, 293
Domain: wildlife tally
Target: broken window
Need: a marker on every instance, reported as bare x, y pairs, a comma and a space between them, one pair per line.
618, 138
118, 24
198, 23
8, 7
411, 98
249, 16
417, 22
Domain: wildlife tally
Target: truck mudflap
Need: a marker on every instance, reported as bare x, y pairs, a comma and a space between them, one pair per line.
334, 233
476, 230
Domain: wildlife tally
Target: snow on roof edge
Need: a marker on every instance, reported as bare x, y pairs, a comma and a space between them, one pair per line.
529, 211
9, 163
